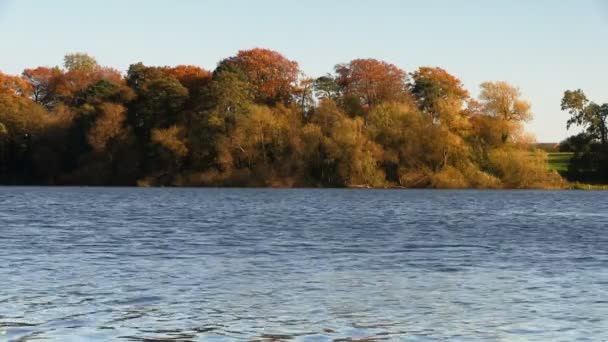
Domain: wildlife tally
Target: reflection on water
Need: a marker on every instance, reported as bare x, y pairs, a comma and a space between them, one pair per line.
302, 265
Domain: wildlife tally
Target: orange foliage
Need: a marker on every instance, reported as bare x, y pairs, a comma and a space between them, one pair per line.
439, 83
13, 85
190, 76
43, 82
107, 126
371, 80
270, 73
76, 80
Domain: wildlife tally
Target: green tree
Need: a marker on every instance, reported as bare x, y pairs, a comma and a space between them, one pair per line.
79, 62
589, 115
326, 88
159, 98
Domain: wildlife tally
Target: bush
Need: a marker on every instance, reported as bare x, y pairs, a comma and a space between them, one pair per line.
519, 169
449, 178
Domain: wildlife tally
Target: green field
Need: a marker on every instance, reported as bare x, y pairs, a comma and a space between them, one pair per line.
559, 161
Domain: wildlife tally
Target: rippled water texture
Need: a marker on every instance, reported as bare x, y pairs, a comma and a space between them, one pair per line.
99, 264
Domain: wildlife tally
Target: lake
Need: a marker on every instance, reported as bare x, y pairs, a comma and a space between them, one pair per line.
98, 264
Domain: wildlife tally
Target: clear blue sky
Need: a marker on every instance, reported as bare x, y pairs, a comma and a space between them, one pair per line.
542, 46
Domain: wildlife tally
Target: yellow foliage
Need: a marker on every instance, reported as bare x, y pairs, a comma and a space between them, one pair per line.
170, 138
479, 179
449, 178
519, 169
414, 177
107, 126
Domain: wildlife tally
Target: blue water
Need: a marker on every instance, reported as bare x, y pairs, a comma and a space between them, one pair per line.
99, 264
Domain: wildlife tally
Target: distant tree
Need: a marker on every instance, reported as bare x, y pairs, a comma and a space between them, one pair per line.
303, 94
194, 78
589, 115
44, 82
107, 126
443, 98
326, 88
229, 96
341, 152
371, 81
159, 97
79, 62
13, 85
22, 124
434, 89
190, 76
503, 101
271, 75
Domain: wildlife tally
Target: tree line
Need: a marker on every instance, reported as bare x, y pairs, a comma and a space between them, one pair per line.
256, 120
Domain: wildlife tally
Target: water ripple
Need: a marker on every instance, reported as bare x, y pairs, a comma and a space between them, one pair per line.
302, 265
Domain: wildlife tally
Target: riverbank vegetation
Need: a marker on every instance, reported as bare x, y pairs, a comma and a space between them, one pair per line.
256, 120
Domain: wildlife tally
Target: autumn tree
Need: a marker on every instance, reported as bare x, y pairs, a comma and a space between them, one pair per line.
503, 101
193, 78
371, 81
79, 62
262, 142
43, 82
439, 94
23, 123
339, 149
159, 98
13, 85
271, 75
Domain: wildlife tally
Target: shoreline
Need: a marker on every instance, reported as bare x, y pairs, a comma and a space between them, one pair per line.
568, 187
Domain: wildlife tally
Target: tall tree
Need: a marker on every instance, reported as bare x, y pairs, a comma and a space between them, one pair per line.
503, 101
436, 91
326, 88
271, 75
80, 62
44, 82
589, 115
13, 85
372, 81
159, 97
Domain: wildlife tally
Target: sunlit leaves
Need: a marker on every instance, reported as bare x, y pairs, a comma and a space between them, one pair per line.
372, 81
591, 116
79, 62
14, 86
108, 125
256, 120
437, 92
502, 100
271, 75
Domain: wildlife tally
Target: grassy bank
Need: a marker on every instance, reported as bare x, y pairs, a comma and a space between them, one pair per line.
560, 162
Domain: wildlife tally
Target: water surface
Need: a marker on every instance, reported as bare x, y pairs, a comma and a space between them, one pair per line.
100, 264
